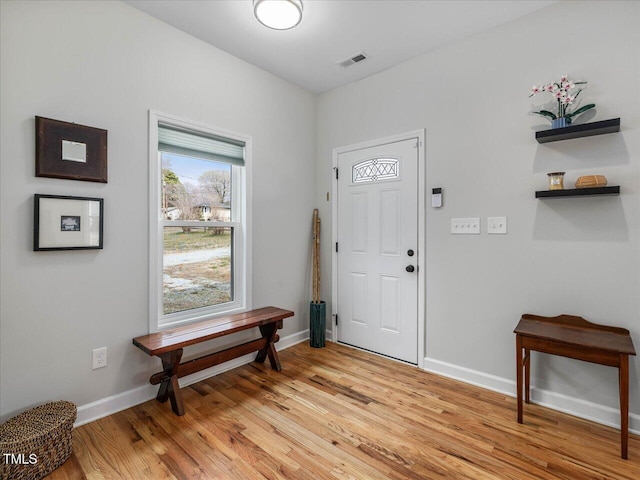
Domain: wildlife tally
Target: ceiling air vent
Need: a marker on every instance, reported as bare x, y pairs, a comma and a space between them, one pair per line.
358, 57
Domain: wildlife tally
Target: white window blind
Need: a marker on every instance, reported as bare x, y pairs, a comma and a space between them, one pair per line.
172, 139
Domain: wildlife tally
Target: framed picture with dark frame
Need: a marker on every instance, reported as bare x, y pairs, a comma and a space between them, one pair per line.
70, 151
67, 223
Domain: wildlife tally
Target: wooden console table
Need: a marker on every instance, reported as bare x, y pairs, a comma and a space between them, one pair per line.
575, 337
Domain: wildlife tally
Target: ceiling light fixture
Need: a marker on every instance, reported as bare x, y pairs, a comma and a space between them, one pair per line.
278, 14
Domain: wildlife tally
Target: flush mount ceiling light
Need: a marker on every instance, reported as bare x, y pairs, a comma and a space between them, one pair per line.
278, 14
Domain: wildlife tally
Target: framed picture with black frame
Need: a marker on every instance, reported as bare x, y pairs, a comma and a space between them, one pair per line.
70, 151
67, 223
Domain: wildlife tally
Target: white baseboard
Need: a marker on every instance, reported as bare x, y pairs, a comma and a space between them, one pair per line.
557, 401
116, 403
594, 412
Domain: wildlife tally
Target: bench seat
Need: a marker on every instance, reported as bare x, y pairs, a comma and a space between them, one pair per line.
168, 345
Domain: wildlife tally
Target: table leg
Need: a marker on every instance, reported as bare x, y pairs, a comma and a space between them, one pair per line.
169, 388
527, 375
623, 373
519, 373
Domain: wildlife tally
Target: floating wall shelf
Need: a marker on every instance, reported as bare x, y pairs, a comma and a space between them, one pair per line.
579, 131
578, 192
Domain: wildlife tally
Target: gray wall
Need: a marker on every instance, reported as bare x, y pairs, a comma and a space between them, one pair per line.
576, 256
105, 64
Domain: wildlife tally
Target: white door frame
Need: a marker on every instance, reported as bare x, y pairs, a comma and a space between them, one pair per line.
420, 135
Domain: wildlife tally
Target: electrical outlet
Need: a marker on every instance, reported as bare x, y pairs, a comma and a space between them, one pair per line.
99, 357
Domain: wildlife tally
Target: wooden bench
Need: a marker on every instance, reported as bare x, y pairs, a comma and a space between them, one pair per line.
169, 345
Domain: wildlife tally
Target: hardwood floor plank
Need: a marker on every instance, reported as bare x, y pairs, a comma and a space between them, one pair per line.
341, 413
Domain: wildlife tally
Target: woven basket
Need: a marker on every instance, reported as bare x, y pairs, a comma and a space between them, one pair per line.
591, 181
37, 441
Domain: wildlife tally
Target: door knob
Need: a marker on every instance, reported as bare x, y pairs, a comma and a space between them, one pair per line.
410, 268
410, 252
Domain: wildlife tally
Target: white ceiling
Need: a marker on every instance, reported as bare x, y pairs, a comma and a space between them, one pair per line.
387, 31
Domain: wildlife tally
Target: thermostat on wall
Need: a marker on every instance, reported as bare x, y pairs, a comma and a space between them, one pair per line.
436, 197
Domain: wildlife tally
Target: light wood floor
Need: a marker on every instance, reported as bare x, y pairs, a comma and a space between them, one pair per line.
339, 413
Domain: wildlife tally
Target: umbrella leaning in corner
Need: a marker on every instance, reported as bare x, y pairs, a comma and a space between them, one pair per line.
318, 307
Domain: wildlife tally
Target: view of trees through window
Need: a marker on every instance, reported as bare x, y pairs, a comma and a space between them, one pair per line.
197, 260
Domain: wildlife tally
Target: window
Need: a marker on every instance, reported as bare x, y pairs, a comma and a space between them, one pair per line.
375, 169
199, 235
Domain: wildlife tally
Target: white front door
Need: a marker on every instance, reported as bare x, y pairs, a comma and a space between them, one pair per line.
377, 281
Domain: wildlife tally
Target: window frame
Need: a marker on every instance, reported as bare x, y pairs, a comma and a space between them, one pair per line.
240, 222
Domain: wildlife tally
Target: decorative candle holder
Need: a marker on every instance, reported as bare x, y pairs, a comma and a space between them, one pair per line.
556, 180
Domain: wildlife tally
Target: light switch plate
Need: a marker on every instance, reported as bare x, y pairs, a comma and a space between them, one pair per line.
497, 225
465, 226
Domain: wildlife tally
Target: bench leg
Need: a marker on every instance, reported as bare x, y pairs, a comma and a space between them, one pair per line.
269, 333
169, 388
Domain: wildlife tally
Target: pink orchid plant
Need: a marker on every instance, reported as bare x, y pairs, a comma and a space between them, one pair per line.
564, 92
